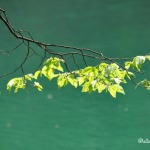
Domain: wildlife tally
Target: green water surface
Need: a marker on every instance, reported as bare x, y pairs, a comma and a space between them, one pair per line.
67, 119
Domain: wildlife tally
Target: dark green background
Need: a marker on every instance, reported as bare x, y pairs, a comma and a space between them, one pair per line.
68, 119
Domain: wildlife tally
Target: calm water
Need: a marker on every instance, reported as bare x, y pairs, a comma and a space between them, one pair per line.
68, 119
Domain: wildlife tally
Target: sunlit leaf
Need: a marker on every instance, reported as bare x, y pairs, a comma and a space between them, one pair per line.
112, 90
81, 80
16, 83
87, 70
100, 87
138, 61
87, 87
38, 86
62, 81
36, 75
72, 80
128, 64
119, 89
147, 57
117, 80
130, 75
28, 77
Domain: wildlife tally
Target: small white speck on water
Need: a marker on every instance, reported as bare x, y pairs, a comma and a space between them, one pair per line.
49, 96
125, 109
8, 125
57, 126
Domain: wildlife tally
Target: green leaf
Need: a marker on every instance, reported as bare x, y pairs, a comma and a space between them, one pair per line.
51, 75
87, 70
81, 80
54, 63
117, 80
138, 61
28, 77
144, 83
48, 72
111, 69
93, 83
113, 89
87, 87
60, 68
147, 57
119, 89
102, 66
130, 75
37, 73
128, 64
10, 84
100, 87
44, 71
62, 81
17, 83
72, 80
38, 86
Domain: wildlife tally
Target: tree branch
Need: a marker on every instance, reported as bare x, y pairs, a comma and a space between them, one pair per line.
67, 52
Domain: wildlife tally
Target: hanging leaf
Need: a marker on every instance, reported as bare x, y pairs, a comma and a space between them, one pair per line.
100, 87
81, 80
147, 57
38, 86
87, 87
128, 64
37, 73
62, 81
144, 83
138, 61
16, 83
113, 89
72, 81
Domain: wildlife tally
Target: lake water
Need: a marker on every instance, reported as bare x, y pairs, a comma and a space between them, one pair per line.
67, 119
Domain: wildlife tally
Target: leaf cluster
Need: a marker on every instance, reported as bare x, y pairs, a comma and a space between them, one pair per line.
103, 77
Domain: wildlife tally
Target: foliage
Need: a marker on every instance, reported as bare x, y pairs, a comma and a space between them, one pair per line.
109, 75
103, 77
